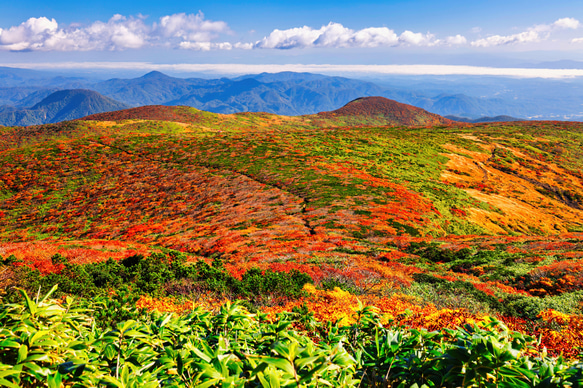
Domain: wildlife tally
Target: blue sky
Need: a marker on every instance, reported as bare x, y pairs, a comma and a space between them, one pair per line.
61, 33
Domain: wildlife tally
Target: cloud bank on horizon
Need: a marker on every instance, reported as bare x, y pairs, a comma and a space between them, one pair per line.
215, 69
194, 32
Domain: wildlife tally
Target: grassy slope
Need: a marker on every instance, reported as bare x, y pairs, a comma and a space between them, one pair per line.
344, 202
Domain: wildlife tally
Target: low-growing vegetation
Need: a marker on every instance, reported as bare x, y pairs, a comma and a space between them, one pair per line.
44, 342
184, 248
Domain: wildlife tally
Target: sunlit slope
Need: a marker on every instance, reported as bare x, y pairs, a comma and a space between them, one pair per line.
383, 111
365, 111
261, 186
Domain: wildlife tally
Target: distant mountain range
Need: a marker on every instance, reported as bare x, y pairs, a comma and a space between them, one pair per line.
283, 93
60, 106
287, 93
485, 119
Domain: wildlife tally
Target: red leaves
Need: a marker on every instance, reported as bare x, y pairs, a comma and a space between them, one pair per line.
554, 279
458, 212
38, 254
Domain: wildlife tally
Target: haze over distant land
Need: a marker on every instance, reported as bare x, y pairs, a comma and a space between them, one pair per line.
25, 95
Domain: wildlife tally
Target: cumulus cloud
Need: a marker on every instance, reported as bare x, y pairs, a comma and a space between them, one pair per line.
190, 28
456, 40
410, 38
42, 34
499, 40
29, 34
191, 31
536, 33
194, 32
567, 23
335, 35
291, 38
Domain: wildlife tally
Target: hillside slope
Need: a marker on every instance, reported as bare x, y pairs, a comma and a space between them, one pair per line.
367, 111
228, 181
434, 226
384, 111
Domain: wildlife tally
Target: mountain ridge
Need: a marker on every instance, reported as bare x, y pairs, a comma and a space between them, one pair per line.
61, 105
290, 93
485, 119
361, 111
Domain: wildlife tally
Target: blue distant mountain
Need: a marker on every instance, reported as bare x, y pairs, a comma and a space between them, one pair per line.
496, 119
290, 93
282, 93
60, 106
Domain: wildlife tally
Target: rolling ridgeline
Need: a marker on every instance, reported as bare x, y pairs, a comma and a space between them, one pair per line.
393, 245
30, 98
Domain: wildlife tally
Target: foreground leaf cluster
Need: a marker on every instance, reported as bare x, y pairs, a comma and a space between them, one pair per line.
52, 343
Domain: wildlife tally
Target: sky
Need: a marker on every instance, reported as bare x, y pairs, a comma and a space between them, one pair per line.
446, 37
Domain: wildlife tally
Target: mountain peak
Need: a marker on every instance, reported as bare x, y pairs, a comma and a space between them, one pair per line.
155, 74
77, 96
390, 110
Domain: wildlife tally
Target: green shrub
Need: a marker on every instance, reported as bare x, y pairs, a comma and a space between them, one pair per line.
462, 290
164, 274
49, 344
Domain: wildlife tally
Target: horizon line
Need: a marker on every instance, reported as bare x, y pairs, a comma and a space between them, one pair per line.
233, 68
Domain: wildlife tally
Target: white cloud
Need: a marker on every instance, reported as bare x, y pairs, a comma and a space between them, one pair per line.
577, 40
456, 40
375, 37
291, 38
118, 33
190, 27
536, 33
205, 46
498, 40
335, 35
410, 38
194, 32
42, 34
243, 46
567, 23
29, 34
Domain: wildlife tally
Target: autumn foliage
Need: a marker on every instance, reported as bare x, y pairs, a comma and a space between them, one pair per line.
432, 228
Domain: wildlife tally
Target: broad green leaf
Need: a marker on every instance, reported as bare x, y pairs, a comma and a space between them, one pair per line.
52, 290
22, 354
279, 363
208, 383
114, 381
8, 384
205, 357
55, 380
9, 343
38, 357
29, 304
